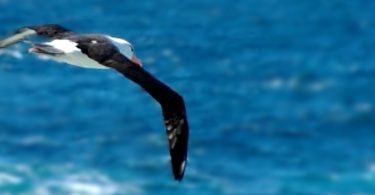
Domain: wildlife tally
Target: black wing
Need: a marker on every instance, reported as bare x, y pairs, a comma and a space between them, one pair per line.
47, 31
172, 104
174, 112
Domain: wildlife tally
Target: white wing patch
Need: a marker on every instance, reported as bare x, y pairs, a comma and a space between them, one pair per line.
64, 45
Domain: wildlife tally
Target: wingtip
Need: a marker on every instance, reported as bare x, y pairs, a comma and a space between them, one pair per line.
18, 36
178, 177
3, 44
23, 29
179, 171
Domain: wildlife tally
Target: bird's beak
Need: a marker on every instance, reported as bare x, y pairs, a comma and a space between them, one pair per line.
45, 49
135, 60
34, 50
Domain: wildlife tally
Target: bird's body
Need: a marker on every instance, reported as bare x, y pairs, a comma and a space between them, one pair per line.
68, 53
65, 50
103, 52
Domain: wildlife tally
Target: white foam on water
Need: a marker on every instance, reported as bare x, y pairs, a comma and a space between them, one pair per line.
91, 183
6, 179
32, 140
88, 188
23, 169
369, 174
293, 83
62, 179
280, 83
275, 83
364, 107
167, 52
43, 57
85, 183
12, 53
19, 168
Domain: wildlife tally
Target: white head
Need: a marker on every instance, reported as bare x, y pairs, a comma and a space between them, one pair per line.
126, 49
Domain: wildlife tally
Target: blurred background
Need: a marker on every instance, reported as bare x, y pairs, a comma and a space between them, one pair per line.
280, 99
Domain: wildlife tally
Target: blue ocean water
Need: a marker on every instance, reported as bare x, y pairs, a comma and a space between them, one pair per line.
280, 99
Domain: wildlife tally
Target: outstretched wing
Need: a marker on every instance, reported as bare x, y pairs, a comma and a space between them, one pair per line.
174, 113
19, 35
172, 104
176, 123
47, 31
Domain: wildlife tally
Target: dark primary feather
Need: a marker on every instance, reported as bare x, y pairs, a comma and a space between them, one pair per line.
51, 31
174, 112
172, 104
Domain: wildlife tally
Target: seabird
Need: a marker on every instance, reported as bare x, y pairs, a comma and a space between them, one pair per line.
103, 51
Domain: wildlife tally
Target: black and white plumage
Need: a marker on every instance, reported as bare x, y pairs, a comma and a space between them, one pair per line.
102, 51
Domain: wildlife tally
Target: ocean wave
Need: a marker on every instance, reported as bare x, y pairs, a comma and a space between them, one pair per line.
8, 179
11, 53
55, 179
36, 140
214, 182
297, 83
363, 107
369, 174
31, 140
84, 183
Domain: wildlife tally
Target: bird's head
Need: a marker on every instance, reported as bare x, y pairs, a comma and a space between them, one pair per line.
125, 49
133, 57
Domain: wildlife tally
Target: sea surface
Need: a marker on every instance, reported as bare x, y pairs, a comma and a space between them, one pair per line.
280, 97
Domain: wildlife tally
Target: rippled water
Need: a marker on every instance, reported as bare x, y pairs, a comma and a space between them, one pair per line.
279, 94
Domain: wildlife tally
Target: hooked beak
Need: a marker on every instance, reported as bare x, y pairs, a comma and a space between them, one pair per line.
136, 61
45, 49
34, 50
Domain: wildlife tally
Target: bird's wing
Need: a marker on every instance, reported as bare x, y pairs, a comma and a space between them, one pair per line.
172, 104
47, 31
174, 113
19, 35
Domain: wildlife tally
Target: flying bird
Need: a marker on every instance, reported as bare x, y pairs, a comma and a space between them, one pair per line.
104, 51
